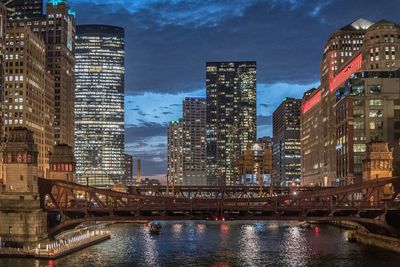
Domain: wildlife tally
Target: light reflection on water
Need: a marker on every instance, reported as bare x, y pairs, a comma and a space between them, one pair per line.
222, 244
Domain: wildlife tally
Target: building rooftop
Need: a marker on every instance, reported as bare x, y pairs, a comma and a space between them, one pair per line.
359, 24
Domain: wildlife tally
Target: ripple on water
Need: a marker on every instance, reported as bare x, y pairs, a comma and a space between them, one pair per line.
222, 244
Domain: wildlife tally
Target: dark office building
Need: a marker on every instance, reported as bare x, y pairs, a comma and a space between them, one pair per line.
231, 117
286, 143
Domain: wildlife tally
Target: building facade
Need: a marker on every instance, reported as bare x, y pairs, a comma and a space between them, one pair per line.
194, 131
99, 104
175, 146
231, 117
29, 91
356, 103
286, 143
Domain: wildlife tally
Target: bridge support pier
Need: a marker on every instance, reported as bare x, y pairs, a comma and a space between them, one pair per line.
21, 218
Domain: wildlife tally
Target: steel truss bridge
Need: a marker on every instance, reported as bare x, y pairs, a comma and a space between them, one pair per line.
374, 204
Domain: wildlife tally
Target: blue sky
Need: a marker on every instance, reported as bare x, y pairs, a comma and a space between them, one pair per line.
169, 41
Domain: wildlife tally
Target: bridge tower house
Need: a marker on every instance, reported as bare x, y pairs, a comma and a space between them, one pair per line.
62, 163
22, 219
378, 163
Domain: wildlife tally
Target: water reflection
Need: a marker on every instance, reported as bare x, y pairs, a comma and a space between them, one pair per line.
294, 247
221, 244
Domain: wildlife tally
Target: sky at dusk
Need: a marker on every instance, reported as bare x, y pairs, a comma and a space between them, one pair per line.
168, 43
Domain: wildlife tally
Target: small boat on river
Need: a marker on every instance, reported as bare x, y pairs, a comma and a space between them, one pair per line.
155, 228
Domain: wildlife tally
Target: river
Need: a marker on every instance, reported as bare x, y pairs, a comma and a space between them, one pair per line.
221, 244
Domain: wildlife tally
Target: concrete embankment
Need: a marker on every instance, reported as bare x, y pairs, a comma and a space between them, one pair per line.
380, 241
358, 233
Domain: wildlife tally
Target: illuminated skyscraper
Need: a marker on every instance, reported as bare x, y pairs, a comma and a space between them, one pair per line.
231, 117
99, 104
194, 131
286, 143
175, 153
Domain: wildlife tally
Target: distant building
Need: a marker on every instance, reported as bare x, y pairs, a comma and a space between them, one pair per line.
286, 143
99, 104
194, 141
128, 163
231, 117
254, 166
175, 153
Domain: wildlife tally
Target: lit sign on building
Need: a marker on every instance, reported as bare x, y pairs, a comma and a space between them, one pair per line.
347, 71
315, 99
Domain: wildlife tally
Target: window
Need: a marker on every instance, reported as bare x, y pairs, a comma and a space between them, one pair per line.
374, 89
397, 125
376, 113
358, 113
397, 113
358, 125
359, 147
396, 102
360, 102
375, 102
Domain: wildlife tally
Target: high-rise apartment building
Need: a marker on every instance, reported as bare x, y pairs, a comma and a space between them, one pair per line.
57, 29
357, 102
128, 163
99, 104
286, 143
175, 152
194, 131
29, 91
231, 117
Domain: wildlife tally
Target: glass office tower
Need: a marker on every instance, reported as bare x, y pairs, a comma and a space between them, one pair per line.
99, 105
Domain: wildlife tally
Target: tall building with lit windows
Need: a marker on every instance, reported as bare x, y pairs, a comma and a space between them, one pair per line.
29, 91
194, 147
99, 104
286, 143
358, 101
231, 117
56, 28
175, 152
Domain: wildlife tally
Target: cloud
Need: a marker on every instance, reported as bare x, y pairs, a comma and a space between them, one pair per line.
144, 130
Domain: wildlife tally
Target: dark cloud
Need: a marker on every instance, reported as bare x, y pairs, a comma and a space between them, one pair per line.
144, 130
265, 105
167, 44
166, 112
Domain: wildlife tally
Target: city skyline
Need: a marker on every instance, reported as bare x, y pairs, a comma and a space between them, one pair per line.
288, 65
